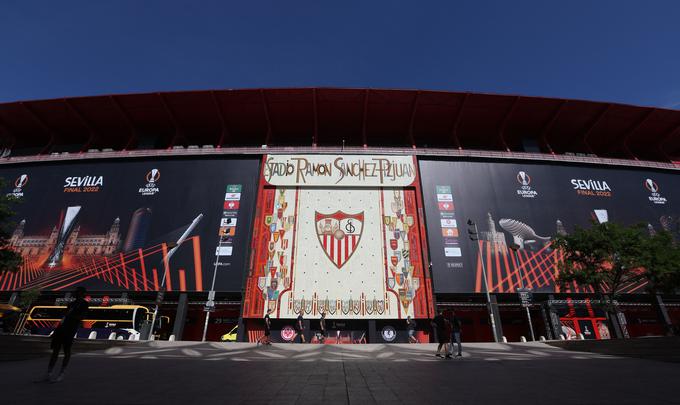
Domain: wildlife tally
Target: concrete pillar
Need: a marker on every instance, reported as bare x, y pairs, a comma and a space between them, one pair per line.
554, 318
180, 316
372, 332
496, 315
662, 313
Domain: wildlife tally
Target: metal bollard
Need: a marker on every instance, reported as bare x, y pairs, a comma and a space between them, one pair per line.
93, 335
120, 337
522, 339
562, 337
171, 338
581, 337
504, 339
112, 336
541, 338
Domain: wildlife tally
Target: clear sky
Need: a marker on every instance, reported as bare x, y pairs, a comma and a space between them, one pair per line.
620, 51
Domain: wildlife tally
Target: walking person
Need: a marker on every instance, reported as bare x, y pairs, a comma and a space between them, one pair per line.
63, 335
411, 328
299, 328
456, 327
439, 324
266, 338
322, 327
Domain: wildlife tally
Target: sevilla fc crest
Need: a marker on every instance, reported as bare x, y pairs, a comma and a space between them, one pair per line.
339, 234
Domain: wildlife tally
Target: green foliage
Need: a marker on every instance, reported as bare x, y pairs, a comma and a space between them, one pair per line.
660, 258
9, 259
605, 256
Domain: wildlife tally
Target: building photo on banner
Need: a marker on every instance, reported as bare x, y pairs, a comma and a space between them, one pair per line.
518, 208
161, 225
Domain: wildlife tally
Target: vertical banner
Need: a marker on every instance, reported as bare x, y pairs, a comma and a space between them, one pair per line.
338, 234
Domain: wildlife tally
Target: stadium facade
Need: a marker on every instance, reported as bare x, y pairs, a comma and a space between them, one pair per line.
351, 202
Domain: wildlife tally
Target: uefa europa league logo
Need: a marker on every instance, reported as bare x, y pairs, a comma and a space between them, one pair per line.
21, 181
153, 176
523, 178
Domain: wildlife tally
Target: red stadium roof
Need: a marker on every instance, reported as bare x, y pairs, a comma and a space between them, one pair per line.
329, 117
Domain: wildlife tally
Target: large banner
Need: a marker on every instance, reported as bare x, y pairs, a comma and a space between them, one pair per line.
519, 207
339, 234
132, 225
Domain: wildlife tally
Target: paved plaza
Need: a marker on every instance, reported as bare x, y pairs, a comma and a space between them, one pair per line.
233, 373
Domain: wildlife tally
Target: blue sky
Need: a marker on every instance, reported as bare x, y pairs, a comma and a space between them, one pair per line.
620, 51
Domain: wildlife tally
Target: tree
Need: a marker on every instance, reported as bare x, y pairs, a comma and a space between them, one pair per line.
605, 257
660, 259
9, 259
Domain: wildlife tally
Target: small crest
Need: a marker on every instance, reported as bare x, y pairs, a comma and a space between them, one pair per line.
356, 307
393, 244
397, 234
394, 260
390, 283
381, 307
345, 306
268, 220
261, 283
276, 236
272, 227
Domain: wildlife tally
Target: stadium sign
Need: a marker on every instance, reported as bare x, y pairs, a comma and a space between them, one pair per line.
339, 170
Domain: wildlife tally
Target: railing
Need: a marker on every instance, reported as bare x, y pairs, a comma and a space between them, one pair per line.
455, 153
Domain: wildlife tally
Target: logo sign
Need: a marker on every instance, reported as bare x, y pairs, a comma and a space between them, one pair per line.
287, 333
151, 188
591, 188
339, 170
19, 185
525, 296
153, 176
231, 205
654, 197
21, 181
83, 184
525, 190
339, 235
651, 186
388, 333
445, 206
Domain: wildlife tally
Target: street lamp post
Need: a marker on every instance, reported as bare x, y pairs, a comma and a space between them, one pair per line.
210, 304
515, 248
474, 236
166, 260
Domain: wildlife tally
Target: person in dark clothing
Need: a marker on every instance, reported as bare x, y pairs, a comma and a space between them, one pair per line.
411, 328
455, 334
266, 338
439, 324
299, 328
63, 335
322, 327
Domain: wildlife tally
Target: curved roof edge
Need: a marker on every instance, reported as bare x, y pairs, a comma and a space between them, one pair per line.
340, 116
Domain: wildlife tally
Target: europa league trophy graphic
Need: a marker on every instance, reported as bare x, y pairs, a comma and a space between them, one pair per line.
64, 231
